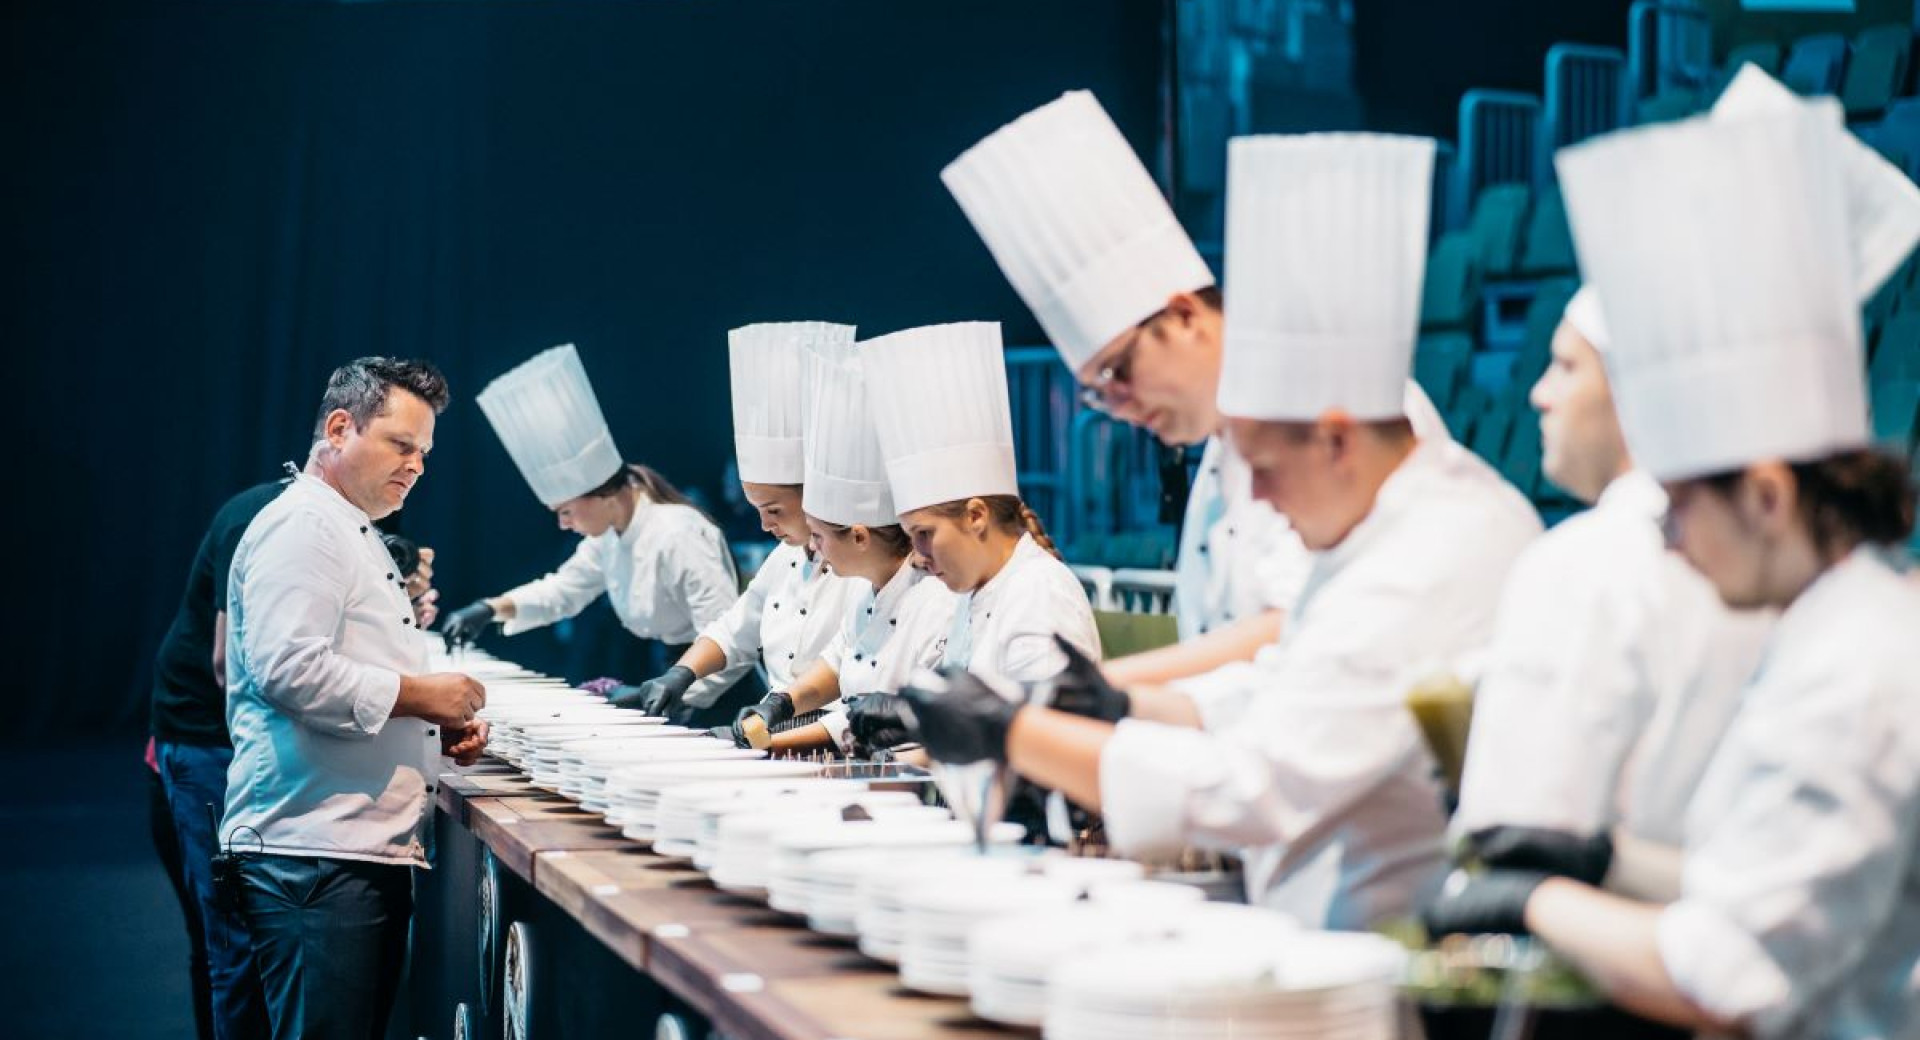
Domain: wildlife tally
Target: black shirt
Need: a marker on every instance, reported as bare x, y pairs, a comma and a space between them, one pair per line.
188, 706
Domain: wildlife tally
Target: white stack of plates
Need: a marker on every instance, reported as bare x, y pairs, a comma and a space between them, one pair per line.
698, 746
1322, 985
940, 914
1012, 956
832, 878
790, 884
688, 812
600, 764
881, 916
574, 756
633, 792
541, 745
745, 840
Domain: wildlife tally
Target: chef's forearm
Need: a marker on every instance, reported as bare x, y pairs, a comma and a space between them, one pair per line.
704, 657
819, 687
1059, 751
503, 608
1613, 941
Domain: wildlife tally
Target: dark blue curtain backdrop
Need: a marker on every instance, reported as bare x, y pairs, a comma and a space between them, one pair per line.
210, 205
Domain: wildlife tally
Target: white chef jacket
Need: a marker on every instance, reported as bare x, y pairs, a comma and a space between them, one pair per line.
788, 615
319, 632
1613, 673
1004, 629
666, 576
1308, 761
1798, 913
888, 635
1238, 557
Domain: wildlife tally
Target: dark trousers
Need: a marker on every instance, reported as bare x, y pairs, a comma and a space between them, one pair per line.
167, 844
196, 784
330, 937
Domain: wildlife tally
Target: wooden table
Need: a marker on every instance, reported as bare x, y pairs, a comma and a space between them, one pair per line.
756, 974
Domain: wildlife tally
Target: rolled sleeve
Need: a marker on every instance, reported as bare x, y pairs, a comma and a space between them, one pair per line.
1720, 966
1222, 695
1144, 787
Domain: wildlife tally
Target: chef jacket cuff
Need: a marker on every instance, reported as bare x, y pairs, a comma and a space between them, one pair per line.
1722, 967
373, 705
1220, 696
1143, 787
839, 728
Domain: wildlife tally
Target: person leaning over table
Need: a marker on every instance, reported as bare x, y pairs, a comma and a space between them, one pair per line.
662, 565
1615, 668
1305, 760
793, 605
1720, 251
898, 622
939, 397
337, 728
1078, 226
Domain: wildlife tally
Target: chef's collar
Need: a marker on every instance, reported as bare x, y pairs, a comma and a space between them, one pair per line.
333, 498
1635, 490
887, 598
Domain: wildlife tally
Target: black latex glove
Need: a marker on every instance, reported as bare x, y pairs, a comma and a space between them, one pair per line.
1481, 904
464, 625
879, 721
773, 709
659, 695
965, 722
1547, 851
1082, 690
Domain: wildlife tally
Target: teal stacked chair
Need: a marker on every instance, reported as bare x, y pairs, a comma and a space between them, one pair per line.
1546, 249
1443, 366
1763, 53
1896, 408
1450, 297
1816, 64
1586, 90
1875, 70
1543, 317
1499, 218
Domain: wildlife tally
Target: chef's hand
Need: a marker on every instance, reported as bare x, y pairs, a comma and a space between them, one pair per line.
442, 698
465, 625
426, 609
1482, 904
773, 709
1550, 852
464, 744
965, 722
1080, 689
878, 721
656, 696
422, 577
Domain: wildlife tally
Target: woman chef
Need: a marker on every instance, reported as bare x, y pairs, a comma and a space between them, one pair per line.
939, 396
662, 565
793, 606
897, 624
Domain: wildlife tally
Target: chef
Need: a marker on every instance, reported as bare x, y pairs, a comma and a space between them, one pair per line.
662, 565
1615, 667
898, 621
793, 606
939, 396
1078, 226
337, 726
1306, 759
1720, 251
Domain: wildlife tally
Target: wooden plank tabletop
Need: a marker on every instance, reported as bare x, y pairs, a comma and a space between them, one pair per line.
517, 829
489, 779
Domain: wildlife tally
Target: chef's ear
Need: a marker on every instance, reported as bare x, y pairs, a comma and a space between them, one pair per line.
979, 518
1768, 498
336, 425
860, 536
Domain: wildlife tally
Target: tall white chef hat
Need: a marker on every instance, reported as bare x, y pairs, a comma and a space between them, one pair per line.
1076, 223
1882, 204
1720, 248
939, 397
846, 473
764, 363
546, 415
1326, 249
